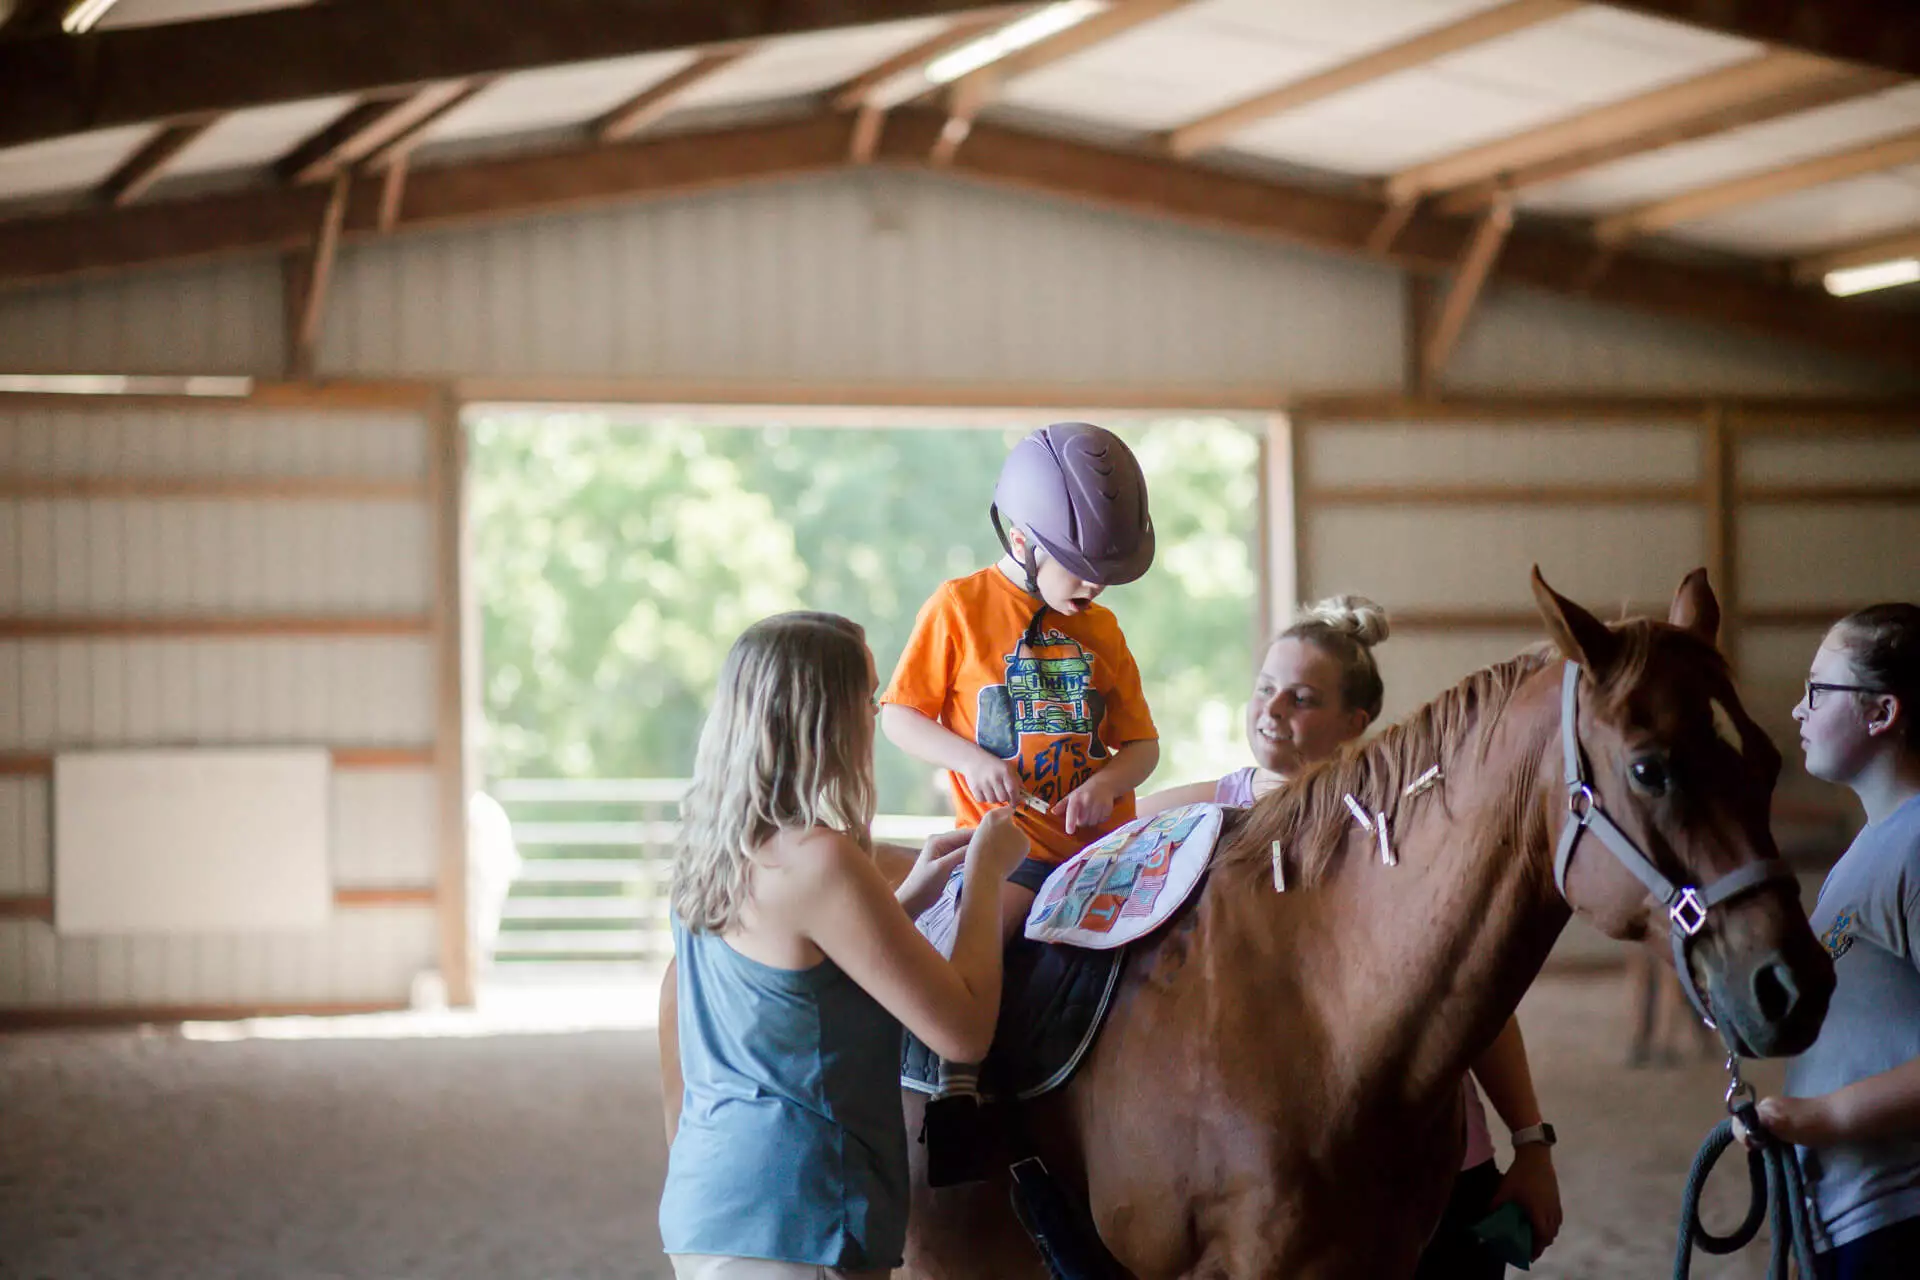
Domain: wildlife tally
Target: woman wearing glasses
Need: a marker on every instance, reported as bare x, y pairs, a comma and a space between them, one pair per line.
1852, 1101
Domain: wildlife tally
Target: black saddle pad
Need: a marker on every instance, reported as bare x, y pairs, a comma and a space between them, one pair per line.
1052, 1001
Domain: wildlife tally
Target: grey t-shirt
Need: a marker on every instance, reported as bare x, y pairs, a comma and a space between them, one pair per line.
1868, 917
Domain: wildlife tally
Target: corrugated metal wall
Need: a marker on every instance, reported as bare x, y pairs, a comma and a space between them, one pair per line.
129, 538
875, 278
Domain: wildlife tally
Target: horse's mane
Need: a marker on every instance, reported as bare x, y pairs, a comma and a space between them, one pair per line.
1309, 817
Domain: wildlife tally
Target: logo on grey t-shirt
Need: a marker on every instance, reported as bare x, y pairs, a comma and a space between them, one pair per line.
1839, 935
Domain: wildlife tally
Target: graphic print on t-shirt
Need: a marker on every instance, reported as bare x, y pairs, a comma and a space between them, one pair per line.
1048, 695
1839, 936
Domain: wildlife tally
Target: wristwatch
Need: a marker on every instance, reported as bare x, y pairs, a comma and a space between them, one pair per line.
1541, 1133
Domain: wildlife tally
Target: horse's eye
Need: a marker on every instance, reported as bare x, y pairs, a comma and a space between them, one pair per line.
1649, 776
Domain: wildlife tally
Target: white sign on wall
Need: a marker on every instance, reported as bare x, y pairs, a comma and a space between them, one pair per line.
191, 841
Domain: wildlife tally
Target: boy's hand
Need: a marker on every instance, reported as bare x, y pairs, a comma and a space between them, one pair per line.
1089, 805
997, 847
993, 780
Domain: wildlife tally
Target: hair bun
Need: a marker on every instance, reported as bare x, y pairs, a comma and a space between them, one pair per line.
1354, 616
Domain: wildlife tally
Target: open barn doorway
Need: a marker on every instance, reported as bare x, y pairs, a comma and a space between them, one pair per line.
618, 550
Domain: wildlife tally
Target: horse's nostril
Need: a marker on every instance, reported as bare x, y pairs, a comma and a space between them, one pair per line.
1774, 991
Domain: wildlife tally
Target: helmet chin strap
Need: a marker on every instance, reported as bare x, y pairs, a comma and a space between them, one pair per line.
1031, 564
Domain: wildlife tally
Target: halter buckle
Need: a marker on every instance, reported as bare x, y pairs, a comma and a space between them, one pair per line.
1580, 802
1737, 1088
1689, 914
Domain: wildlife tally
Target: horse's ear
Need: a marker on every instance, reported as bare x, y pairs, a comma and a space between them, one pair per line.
1581, 637
1695, 609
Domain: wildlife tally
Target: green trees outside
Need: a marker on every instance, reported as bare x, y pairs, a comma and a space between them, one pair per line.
616, 558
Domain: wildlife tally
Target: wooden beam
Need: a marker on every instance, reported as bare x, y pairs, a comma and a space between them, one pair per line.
303, 343
1475, 266
1874, 157
1392, 223
372, 132
1489, 24
447, 470
51, 1017
868, 124
255, 221
258, 221
393, 190
1830, 495
149, 164
965, 100
39, 764
197, 488
1876, 33
984, 85
1901, 244
877, 83
35, 906
1539, 258
655, 101
53, 86
1505, 495
72, 627
1771, 86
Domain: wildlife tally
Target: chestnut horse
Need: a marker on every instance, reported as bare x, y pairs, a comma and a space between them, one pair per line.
1276, 1092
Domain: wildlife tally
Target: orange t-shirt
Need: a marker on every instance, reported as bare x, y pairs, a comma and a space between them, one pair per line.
1060, 709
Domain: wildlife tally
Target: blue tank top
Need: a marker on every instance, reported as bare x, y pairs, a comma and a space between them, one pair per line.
792, 1144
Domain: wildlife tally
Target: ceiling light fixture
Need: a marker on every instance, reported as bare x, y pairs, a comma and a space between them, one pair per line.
1011, 38
1848, 281
81, 16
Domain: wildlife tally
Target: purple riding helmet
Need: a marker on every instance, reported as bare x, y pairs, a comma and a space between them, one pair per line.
1078, 490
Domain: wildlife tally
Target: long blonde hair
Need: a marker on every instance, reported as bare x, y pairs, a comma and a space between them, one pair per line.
788, 744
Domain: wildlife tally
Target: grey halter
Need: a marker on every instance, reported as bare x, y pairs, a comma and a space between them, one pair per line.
1687, 905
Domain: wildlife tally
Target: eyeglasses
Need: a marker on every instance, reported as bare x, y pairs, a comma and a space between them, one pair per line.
1815, 688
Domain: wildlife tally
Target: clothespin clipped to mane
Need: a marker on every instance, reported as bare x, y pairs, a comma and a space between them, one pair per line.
1377, 824
1279, 869
1425, 782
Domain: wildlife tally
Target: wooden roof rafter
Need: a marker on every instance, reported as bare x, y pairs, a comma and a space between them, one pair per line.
1217, 127
972, 93
149, 162
656, 101
1769, 86
52, 86
1657, 215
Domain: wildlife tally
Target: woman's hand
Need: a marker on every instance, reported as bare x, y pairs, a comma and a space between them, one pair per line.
1805, 1122
997, 846
993, 780
1531, 1183
939, 856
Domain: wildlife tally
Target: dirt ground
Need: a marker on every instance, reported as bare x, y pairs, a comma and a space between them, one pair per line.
538, 1156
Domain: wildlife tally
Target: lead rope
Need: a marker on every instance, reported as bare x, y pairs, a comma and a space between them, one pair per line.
1777, 1191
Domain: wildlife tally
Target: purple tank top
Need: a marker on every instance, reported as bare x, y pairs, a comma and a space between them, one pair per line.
1235, 789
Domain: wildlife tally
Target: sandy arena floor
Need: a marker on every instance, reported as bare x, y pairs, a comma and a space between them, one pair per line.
539, 1156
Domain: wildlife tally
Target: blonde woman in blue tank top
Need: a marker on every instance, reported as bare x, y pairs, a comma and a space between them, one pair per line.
796, 967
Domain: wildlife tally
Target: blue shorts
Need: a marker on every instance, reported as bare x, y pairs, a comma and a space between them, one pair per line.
1031, 874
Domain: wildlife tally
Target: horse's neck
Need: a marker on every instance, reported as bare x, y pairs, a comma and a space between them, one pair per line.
1430, 957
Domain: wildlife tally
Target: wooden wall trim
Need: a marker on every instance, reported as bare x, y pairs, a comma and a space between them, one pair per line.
58, 627
49, 1018
278, 488
1793, 414
402, 395
1504, 495
39, 764
1823, 494
39, 906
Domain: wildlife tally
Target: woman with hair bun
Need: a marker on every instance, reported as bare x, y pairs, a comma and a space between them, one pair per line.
1317, 690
